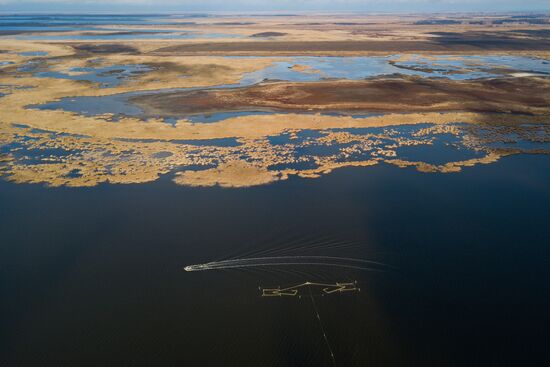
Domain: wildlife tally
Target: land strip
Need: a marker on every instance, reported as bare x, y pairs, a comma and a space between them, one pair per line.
292, 48
503, 95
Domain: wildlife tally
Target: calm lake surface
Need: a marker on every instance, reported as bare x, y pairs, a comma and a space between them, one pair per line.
93, 276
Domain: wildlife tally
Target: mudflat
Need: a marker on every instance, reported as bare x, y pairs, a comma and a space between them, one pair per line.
399, 94
450, 44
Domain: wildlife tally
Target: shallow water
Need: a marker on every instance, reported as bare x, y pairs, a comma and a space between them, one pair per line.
219, 116
319, 68
93, 106
33, 53
106, 77
133, 34
22, 24
473, 67
439, 152
96, 276
70, 20
470, 67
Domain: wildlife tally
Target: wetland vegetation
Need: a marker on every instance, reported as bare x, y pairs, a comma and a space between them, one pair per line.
363, 189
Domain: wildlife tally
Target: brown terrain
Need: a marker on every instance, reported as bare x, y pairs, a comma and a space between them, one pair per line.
511, 107
449, 45
510, 95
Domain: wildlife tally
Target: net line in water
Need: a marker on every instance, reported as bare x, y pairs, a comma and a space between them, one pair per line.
322, 328
326, 288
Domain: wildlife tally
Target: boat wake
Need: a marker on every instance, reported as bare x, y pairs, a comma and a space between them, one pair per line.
275, 261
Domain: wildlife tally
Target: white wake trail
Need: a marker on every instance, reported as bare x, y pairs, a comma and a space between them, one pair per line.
329, 261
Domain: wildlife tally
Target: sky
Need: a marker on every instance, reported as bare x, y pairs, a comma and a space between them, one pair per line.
129, 6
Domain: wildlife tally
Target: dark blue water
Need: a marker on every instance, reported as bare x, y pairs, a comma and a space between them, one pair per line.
94, 276
445, 148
